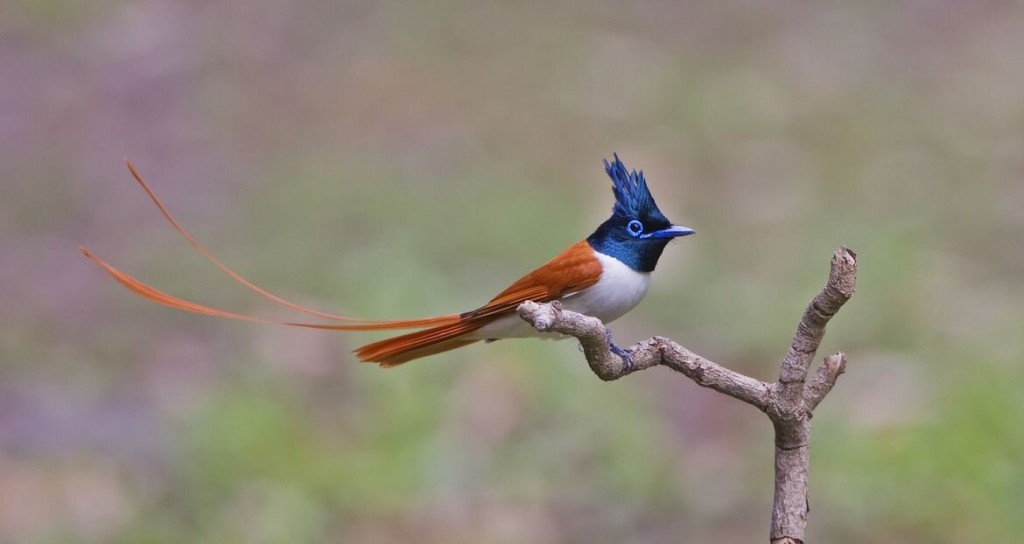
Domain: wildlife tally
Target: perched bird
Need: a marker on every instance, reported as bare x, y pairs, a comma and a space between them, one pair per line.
605, 276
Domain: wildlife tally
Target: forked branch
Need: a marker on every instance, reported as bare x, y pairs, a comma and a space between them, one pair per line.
789, 402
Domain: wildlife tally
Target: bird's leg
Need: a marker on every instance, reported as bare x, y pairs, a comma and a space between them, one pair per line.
624, 354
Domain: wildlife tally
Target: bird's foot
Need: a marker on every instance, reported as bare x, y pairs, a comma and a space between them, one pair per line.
627, 358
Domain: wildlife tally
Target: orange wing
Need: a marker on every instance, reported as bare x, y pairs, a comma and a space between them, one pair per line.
572, 270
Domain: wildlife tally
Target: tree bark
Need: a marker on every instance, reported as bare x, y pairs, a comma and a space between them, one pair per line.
788, 402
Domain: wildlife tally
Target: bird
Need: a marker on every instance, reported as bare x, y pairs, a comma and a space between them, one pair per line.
605, 275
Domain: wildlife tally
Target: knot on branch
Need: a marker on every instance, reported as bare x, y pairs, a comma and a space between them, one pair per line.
541, 316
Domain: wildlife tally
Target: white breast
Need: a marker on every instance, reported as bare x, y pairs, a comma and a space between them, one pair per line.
618, 291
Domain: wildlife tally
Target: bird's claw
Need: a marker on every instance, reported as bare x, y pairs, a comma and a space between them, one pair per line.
627, 359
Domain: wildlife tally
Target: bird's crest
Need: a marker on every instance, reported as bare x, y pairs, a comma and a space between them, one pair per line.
632, 198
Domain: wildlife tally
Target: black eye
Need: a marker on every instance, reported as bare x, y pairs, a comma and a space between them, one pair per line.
635, 228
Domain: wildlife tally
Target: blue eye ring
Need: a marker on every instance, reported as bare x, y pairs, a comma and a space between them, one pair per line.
635, 228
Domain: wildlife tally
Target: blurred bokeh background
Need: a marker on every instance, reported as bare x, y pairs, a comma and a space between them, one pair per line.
390, 159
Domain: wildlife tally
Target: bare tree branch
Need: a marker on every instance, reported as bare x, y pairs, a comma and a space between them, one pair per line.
788, 402
824, 379
811, 329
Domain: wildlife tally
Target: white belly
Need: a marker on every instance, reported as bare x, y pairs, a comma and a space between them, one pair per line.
618, 291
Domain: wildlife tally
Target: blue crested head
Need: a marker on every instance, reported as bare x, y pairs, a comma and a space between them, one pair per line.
637, 232
632, 197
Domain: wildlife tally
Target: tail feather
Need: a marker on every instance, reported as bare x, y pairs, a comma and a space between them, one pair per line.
160, 297
426, 351
226, 269
400, 349
155, 295
445, 332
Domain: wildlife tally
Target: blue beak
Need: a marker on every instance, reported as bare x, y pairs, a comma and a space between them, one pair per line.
672, 232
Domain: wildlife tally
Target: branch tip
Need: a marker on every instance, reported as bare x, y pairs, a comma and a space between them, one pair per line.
836, 363
788, 402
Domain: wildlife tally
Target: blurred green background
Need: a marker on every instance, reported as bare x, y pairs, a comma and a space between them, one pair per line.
390, 160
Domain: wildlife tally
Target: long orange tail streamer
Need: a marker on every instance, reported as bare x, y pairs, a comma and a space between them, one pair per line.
155, 295
231, 273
